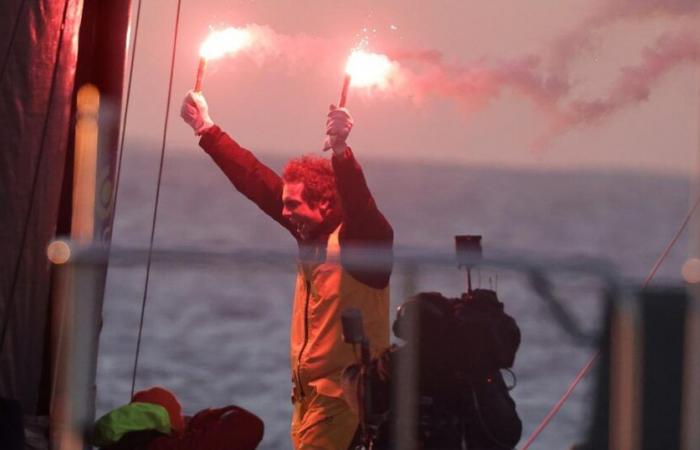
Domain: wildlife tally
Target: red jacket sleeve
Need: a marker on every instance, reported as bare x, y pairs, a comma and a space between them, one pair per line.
250, 177
364, 226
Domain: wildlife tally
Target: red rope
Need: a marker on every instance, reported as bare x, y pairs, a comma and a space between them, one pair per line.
555, 409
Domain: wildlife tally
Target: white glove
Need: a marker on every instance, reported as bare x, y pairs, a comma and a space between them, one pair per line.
338, 126
195, 112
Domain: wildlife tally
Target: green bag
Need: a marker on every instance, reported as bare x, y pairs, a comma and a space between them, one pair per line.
111, 427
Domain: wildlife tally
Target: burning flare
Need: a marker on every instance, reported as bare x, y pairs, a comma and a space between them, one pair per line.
224, 42
219, 43
365, 69
368, 69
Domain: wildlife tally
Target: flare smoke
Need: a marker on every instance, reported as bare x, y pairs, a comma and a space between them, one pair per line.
634, 83
547, 83
424, 74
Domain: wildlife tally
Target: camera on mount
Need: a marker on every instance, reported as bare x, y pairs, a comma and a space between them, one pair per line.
456, 348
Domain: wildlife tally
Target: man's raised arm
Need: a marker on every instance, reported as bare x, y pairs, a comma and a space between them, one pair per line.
364, 225
250, 177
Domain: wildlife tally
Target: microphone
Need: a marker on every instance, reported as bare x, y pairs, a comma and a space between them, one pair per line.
353, 331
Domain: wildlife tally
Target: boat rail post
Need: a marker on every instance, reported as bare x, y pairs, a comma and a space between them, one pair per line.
625, 369
690, 425
78, 295
405, 389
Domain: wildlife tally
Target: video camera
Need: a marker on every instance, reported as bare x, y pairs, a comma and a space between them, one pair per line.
470, 335
456, 348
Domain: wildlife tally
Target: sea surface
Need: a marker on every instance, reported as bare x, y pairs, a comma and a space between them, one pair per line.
217, 334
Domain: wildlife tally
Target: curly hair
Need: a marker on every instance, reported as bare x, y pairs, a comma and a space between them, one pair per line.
317, 175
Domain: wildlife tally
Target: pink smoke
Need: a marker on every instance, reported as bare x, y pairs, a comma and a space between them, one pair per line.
565, 49
421, 74
475, 85
293, 52
635, 82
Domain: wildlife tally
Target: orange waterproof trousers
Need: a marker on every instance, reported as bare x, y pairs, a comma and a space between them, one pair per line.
320, 422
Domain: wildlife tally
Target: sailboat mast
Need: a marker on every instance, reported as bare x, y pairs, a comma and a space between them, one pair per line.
87, 214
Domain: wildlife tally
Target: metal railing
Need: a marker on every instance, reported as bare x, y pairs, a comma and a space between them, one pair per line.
76, 263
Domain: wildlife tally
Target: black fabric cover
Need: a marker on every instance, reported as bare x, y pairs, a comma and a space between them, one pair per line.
663, 324
38, 47
11, 429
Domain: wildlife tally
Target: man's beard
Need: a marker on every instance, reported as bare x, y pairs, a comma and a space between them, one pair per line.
304, 229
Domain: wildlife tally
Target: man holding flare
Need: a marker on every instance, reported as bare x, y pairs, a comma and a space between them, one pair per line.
328, 208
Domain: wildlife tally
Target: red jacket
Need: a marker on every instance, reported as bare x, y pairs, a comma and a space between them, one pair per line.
324, 288
363, 224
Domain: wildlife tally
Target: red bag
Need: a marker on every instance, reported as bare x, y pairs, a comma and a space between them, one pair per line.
228, 428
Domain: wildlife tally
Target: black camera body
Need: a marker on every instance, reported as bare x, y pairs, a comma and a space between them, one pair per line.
459, 346
472, 333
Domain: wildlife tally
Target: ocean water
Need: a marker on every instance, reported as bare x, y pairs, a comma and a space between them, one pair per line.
218, 334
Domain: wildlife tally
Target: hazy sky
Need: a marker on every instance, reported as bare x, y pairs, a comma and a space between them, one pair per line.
536, 83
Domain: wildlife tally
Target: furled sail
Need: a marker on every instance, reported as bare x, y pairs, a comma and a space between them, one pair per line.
49, 49
39, 54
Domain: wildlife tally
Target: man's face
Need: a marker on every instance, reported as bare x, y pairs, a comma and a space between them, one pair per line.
298, 210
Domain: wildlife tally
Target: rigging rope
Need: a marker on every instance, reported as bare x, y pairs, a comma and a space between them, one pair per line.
155, 208
35, 179
126, 107
15, 26
587, 367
